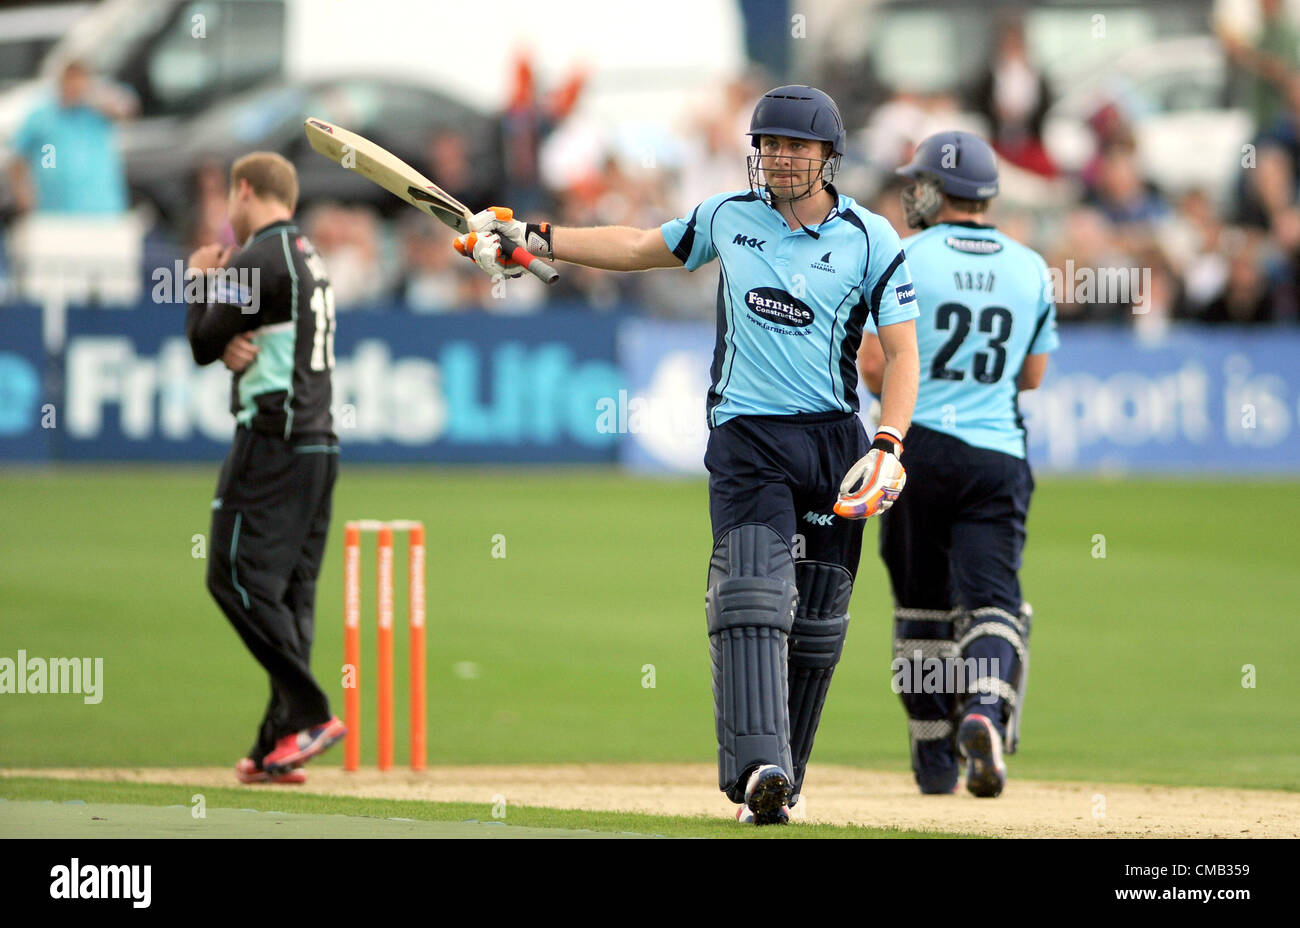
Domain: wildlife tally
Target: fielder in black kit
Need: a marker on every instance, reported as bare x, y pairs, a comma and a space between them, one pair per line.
269, 317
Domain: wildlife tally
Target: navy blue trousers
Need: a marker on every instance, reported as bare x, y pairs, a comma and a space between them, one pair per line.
956, 534
785, 471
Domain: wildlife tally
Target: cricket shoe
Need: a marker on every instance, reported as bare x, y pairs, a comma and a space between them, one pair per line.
981, 746
300, 747
767, 796
746, 817
248, 772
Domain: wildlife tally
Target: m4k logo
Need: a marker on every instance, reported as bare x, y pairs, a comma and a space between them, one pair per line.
751, 242
818, 518
824, 264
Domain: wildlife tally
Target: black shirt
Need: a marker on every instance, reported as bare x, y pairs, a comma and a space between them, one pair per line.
275, 289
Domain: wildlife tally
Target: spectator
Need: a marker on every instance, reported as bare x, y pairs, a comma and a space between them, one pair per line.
717, 146
1014, 97
434, 278
1109, 128
67, 158
1272, 185
449, 160
1087, 244
1156, 294
1271, 60
714, 159
1246, 297
348, 240
1194, 242
1121, 193
208, 223
526, 123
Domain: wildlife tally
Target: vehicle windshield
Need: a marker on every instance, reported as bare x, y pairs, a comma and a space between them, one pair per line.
151, 44
959, 37
107, 35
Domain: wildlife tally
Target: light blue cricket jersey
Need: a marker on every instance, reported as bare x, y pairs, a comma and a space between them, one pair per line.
791, 305
985, 305
73, 160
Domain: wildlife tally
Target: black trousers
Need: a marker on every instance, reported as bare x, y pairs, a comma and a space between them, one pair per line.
270, 519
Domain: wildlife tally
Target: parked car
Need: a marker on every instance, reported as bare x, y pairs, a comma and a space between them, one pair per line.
1177, 95
28, 32
401, 117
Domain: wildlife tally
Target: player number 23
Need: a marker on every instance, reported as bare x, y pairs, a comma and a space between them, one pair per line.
994, 321
322, 344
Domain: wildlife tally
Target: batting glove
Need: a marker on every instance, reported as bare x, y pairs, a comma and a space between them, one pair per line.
484, 249
499, 221
534, 236
871, 485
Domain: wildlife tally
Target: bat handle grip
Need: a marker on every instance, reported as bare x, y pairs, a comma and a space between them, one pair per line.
531, 263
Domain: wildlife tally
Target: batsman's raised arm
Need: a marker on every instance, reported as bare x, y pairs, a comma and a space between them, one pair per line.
613, 248
610, 248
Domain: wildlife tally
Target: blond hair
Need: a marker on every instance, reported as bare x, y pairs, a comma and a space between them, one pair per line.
271, 176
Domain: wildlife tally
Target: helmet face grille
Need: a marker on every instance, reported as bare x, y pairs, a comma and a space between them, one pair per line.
922, 202
758, 182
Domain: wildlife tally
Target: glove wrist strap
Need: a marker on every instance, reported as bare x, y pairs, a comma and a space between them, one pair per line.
889, 441
537, 239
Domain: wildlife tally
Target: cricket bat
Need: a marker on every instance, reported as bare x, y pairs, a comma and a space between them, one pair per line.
382, 167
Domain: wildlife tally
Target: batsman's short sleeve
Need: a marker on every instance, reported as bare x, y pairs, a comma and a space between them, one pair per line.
691, 237
1045, 338
888, 283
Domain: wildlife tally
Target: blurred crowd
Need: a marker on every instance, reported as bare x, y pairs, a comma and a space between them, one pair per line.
1209, 257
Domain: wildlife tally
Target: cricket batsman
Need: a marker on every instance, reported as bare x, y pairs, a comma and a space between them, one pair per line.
953, 543
269, 317
792, 471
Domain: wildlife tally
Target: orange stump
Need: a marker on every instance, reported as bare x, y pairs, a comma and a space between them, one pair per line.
384, 639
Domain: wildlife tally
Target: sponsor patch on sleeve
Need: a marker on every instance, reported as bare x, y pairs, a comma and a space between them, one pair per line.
905, 294
225, 290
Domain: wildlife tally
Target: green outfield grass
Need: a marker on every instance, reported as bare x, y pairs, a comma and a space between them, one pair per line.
117, 795
541, 656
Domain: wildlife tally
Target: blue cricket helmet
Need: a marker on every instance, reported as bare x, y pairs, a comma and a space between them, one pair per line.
962, 163
799, 112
